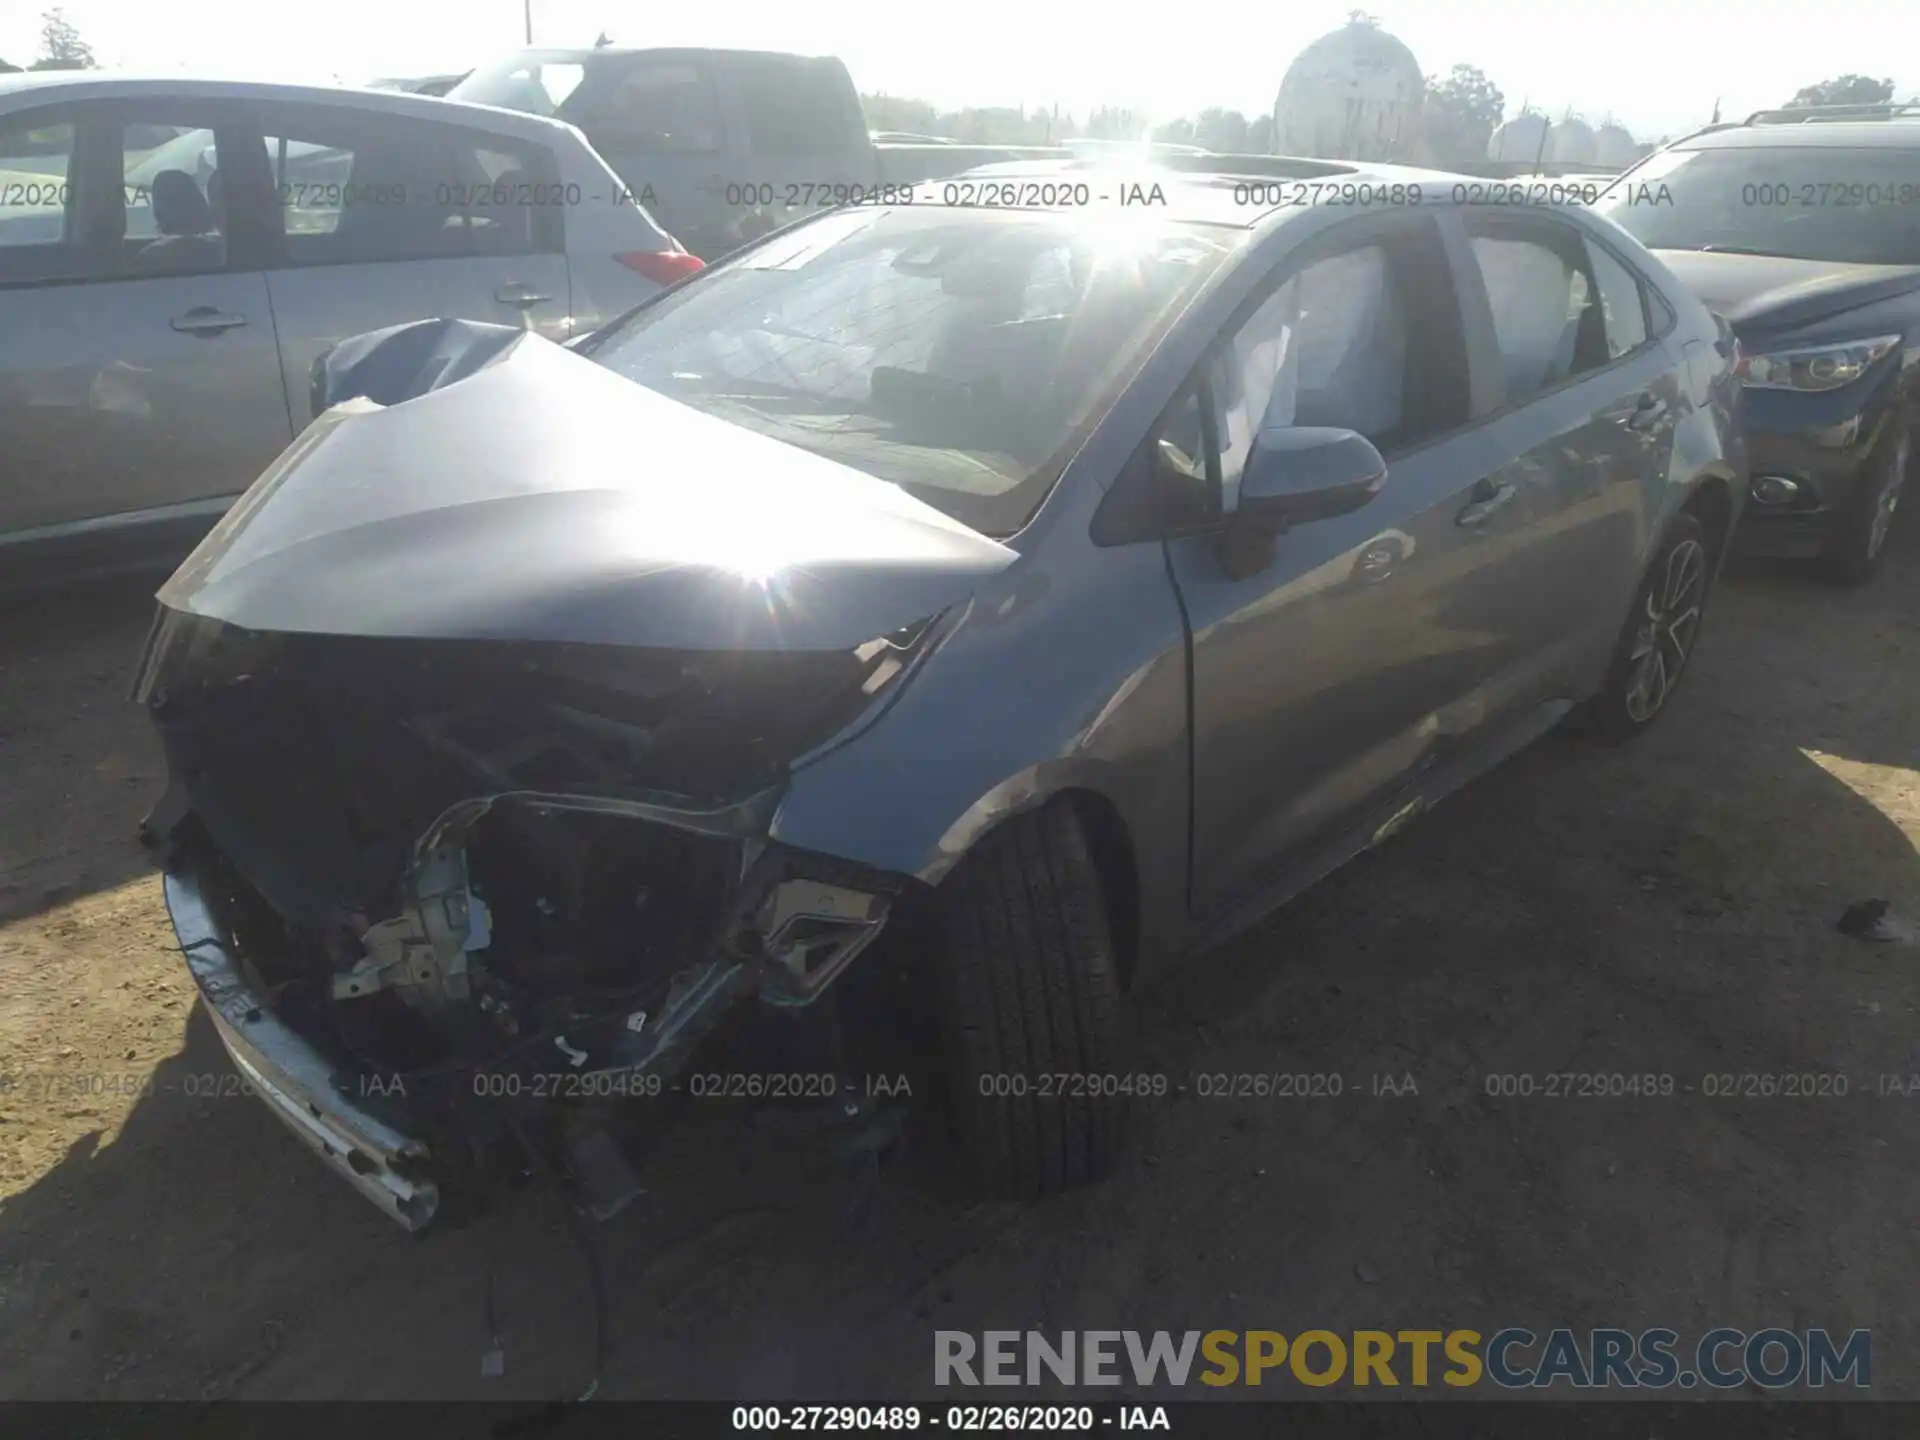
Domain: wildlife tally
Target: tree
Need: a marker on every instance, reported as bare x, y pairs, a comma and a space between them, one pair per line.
896, 112
1112, 122
1174, 132
6, 69
1459, 114
1260, 135
1847, 90
1221, 130
61, 47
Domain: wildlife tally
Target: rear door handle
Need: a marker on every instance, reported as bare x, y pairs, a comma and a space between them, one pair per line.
1488, 499
1646, 412
205, 320
520, 295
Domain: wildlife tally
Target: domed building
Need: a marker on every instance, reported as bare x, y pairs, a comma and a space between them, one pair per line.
1351, 95
1614, 147
1521, 138
1570, 142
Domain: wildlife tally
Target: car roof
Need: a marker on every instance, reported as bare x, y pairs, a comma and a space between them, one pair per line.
1900, 134
48, 86
576, 54
1241, 198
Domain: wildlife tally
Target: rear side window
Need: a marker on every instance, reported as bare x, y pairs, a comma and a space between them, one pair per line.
795, 106
1622, 304
652, 107
36, 199
1546, 313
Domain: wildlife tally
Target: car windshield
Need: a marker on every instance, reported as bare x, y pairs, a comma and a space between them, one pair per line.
537, 87
1858, 206
956, 353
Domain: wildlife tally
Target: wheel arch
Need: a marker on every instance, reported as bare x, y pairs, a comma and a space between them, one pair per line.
1711, 501
1109, 839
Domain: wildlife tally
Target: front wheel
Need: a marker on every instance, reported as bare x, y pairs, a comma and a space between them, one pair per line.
1658, 639
1030, 1011
1861, 537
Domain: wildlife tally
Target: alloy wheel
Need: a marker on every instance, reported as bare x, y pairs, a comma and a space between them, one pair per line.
1888, 500
1664, 639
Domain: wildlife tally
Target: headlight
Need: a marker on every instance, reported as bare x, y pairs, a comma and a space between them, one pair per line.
1819, 367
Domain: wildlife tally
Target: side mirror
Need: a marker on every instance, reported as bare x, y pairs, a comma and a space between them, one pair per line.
1295, 475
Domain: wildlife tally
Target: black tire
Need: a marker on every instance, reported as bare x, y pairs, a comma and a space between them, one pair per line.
1620, 709
1027, 991
1859, 541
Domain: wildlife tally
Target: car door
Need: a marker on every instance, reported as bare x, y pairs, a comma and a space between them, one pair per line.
138, 372
1581, 404
1323, 683
661, 124
378, 219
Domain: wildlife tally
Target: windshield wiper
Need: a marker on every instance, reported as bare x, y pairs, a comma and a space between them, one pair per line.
1732, 250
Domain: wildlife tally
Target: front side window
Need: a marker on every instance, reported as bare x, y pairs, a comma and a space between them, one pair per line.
956, 353
1327, 348
1809, 202
36, 199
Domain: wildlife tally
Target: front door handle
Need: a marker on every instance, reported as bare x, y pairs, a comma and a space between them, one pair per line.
520, 295
205, 320
1646, 412
1488, 499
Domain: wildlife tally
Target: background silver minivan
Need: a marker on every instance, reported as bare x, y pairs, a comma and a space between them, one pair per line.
175, 255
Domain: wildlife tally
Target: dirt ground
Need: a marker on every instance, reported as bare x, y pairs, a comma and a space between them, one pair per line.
1668, 908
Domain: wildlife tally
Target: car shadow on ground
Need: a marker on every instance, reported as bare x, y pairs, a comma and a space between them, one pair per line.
79, 773
1662, 912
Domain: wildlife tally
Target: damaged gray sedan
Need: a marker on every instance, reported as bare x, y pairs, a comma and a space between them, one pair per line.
1018, 599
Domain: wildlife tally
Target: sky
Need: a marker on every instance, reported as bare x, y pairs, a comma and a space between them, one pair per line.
1655, 66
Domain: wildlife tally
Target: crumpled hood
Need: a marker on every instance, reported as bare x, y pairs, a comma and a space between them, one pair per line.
544, 497
1777, 290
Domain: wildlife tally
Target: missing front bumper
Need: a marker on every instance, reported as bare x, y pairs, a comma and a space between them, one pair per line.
292, 1078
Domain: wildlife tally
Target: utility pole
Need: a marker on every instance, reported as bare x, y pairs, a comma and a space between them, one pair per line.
527, 10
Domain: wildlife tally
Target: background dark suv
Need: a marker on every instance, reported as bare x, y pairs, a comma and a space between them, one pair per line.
1802, 228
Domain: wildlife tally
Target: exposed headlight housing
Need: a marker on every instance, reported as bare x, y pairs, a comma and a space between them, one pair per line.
1816, 367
